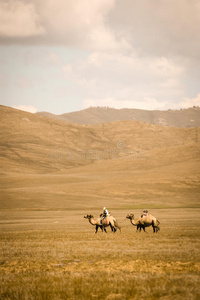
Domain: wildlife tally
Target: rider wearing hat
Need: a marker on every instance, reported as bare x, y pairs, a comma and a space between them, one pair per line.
145, 213
105, 212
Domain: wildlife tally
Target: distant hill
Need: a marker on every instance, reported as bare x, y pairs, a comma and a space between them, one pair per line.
53, 164
34, 143
97, 115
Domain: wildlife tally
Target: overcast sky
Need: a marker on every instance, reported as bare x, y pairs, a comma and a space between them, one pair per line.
66, 55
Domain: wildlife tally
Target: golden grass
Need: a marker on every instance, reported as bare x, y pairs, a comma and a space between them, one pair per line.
56, 255
116, 185
49, 251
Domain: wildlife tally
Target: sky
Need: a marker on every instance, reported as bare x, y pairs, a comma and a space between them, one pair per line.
67, 55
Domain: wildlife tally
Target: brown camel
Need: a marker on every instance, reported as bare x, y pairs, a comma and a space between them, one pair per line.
108, 221
144, 221
114, 220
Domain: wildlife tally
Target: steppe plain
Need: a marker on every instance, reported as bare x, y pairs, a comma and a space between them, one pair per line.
54, 172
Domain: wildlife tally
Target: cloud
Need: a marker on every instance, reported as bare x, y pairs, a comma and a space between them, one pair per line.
19, 19
159, 28
146, 103
28, 108
126, 77
165, 28
190, 102
79, 23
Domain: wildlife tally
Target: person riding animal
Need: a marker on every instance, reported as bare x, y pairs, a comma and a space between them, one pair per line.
104, 214
145, 213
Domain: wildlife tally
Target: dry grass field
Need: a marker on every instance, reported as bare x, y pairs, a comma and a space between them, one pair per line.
53, 173
56, 255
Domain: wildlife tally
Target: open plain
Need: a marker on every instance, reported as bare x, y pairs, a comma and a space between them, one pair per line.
56, 255
53, 173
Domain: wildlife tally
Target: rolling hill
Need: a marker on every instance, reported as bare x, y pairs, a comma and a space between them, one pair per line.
98, 115
54, 164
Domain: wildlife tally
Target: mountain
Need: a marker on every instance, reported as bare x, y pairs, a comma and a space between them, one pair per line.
40, 144
97, 115
54, 164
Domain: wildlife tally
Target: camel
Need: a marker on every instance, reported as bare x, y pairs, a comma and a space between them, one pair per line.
114, 220
144, 221
108, 221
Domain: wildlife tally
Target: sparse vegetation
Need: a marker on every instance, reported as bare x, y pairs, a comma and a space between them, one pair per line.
49, 251
56, 255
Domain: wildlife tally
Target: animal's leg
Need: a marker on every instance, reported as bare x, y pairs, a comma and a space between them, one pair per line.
96, 228
101, 227
112, 228
140, 227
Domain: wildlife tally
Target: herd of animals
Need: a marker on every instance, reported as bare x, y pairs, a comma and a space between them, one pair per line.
142, 222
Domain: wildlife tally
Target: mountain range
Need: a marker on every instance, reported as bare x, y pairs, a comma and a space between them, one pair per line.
97, 115
49, 163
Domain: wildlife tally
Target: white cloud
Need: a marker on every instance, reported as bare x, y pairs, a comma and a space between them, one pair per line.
28, 108
119, 76
146, 103
190, 102
102, 38
79, 23
157, 28
19, 19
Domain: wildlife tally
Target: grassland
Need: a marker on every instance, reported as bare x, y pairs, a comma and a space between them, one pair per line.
56, 255
49, 251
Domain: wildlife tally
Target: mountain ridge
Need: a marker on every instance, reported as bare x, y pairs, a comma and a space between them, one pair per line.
97, 115
53, 164
32, 142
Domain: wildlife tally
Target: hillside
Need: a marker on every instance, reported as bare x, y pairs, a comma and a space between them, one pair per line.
98, 115
51, 164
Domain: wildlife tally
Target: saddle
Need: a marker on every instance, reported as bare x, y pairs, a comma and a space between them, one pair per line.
104, 221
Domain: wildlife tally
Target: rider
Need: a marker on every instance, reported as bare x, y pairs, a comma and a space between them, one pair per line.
145, 213
105, 212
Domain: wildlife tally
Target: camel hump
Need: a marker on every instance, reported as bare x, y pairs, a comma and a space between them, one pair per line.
105, 221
